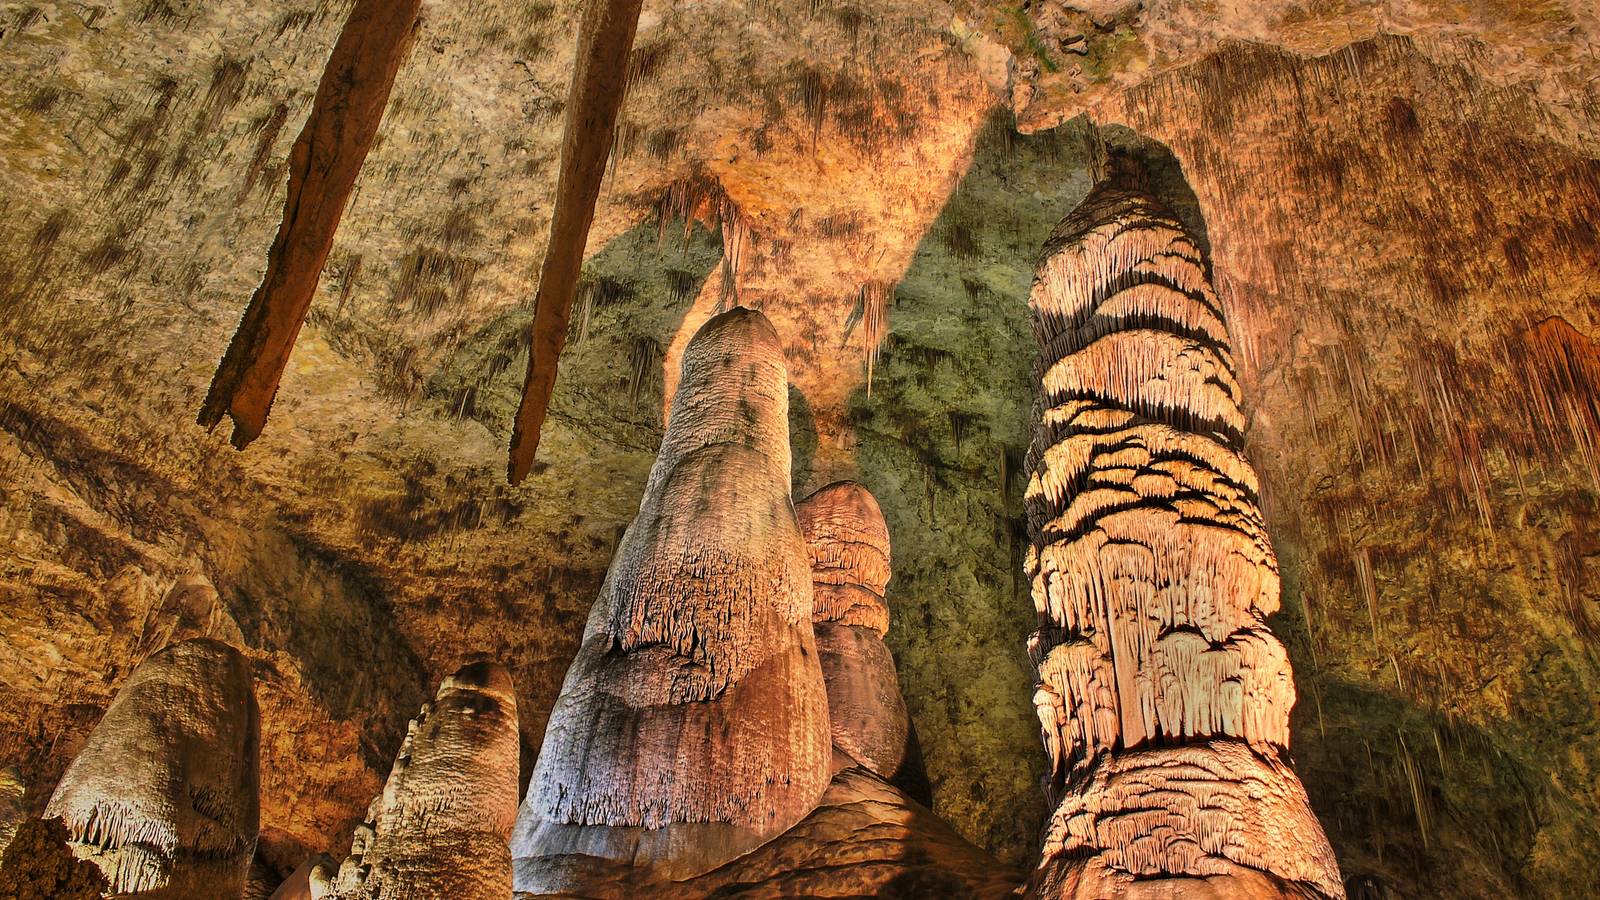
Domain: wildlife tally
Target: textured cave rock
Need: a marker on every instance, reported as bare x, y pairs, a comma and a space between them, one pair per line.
1163, 697
848, 543
163, 795
13, 811
692, 726
40, 863
599, 85
322, 172
440, 828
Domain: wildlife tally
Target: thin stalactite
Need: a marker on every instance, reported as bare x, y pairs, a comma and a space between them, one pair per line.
599, 82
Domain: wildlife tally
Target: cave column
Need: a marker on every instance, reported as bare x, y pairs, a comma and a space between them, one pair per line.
1163, 698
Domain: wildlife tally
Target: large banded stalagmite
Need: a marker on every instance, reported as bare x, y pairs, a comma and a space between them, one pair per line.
693, 724
164, 795
1163, 698
848, 542
440, 828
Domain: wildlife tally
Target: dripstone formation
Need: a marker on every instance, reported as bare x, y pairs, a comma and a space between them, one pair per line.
693, 725
1163, 698
163, 796
848, 542
440, 828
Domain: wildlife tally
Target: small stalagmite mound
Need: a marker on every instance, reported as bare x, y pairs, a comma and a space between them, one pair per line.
1163, 698
440, 828
164, 795
848, 543
693, 725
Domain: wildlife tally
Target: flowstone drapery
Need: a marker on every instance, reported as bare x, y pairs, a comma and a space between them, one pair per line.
1163, 698
164, 795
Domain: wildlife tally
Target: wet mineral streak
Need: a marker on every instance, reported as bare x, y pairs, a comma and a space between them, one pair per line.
693, 725
1163, 698
164, 795
440, 828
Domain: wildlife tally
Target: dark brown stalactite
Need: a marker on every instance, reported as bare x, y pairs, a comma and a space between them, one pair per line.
598, 85
323, 166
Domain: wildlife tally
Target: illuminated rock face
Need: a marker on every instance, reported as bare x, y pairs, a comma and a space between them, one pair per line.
1163, 698
848, 542
163, 796
693, 724
441, 825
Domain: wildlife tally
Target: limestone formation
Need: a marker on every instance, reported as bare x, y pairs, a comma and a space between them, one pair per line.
13, 812
848, 542
1163, 698
441, 825
163, 795
323, 167
599, 84
692, 726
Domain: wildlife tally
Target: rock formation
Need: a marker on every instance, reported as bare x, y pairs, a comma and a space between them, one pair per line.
13, 812
322, 172
599, 84
163, 795
692, 726
1163, 698
848, 542
441, 825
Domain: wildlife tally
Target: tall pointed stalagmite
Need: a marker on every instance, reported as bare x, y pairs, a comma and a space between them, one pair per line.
848, 542
323, 166
1163, 698
164, 795
693, 724
599, 83
441, 825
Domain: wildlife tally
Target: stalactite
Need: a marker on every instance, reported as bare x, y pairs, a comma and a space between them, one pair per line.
163, 796
440, 827
599, 81
1163, 699
692, 726
323, 166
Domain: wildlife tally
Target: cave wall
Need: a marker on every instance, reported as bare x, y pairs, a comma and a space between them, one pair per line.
1395, 222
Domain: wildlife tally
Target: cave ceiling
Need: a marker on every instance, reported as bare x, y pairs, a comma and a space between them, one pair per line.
1402, 203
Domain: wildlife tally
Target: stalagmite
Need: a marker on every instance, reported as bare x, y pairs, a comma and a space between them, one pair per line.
323, 166
163, 796
693, 724
848, 542
599, 82
1163, 698
440, 828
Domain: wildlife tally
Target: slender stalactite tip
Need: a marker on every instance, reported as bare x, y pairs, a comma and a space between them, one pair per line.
599, 83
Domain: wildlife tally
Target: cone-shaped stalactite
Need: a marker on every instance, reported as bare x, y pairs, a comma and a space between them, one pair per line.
848, 542
693, 724
164, 795
323, 166
599, 84
1163, 698
440, 828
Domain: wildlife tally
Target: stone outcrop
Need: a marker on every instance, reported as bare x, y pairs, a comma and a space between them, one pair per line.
848, 542
599, 85
322, 172
163, 795
692, 726
440, 828
1163, 698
